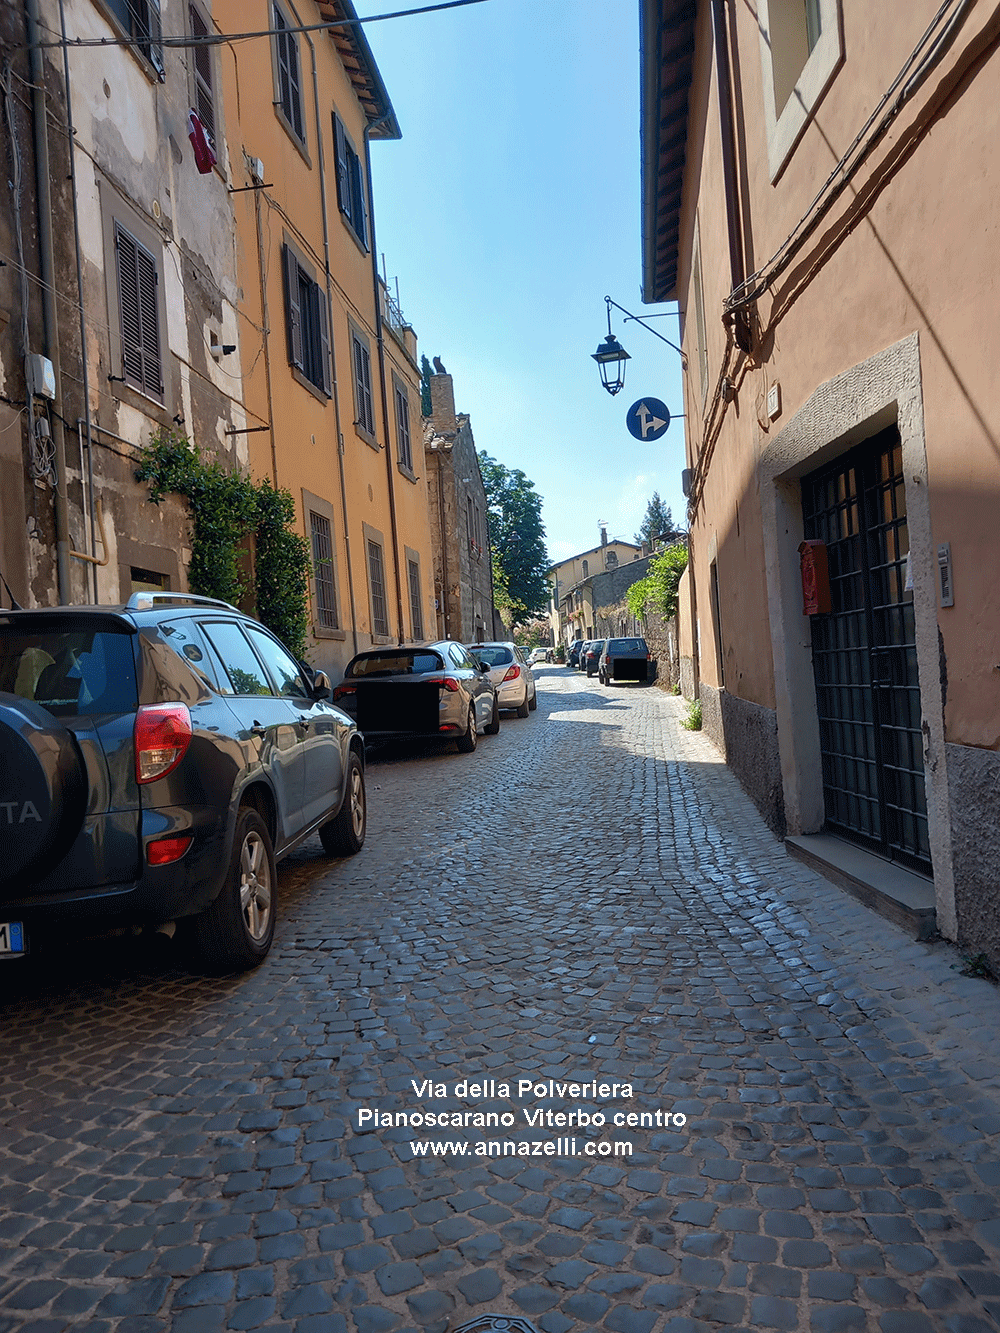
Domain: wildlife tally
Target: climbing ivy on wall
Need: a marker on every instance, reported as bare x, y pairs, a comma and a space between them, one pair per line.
225, 508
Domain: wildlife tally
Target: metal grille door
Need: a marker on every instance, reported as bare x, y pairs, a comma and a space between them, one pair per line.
864, 655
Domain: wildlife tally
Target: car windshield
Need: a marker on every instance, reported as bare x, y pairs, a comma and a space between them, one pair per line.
494, 657
627, 645
398, 663
73, 670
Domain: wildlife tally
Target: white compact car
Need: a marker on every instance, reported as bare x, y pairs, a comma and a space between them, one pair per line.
510, 674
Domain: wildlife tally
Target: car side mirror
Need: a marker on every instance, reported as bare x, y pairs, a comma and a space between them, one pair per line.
321, 688
484, 667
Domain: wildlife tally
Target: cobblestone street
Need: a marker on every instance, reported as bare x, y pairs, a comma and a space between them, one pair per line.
589, 897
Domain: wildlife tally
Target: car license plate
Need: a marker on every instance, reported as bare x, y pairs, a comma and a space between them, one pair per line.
11, 939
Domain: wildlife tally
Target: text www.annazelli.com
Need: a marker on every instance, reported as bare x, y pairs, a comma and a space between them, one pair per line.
559, 1147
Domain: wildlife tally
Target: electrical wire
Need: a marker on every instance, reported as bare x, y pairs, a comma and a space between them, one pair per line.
218, 39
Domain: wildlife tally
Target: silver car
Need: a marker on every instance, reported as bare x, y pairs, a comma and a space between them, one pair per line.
428, 689
510, 673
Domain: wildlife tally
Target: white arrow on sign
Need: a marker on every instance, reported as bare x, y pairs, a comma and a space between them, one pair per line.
647, 421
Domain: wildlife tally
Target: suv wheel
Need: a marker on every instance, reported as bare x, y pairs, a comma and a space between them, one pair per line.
235, 933
467, 743
344, 835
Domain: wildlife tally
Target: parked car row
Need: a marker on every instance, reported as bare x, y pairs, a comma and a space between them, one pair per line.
613, 659
158, 759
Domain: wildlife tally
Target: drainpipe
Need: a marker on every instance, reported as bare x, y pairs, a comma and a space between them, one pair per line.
48, 285
333, 359
741, 318
380, 339
84, 371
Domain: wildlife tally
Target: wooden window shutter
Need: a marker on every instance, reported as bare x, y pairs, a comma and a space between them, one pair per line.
358, 212
128, 305
154, 28
343, 171
326, 383
203, 92
293, 307
148, 291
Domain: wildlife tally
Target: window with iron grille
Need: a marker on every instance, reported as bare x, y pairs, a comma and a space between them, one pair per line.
417, 620
308, 323
204, 92
289, 82
376, 583
403, 426
138, 308
363, 385
326, 590
350, 183
140, 21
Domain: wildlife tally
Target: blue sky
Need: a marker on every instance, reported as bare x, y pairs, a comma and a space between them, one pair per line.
507, 211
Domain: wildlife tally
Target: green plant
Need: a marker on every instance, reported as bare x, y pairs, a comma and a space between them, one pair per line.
658, 590
226, 508
692, 719
979, 966
676, 689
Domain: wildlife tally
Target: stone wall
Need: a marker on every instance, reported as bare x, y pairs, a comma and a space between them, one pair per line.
974, 789
747, 736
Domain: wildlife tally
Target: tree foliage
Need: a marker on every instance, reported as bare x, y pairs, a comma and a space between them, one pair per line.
517, 537
658, 522
658, 590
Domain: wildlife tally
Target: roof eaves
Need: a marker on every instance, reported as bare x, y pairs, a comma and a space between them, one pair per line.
666, 53
359, 63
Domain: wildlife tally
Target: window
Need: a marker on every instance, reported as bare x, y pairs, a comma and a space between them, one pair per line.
326, 588
586, 569
308, 322
468, 521
282, 666
800, 49
140, 22
350, 183
286, 64
138, 314
201, 59
376, 584
403, 425
148, 580
244, 670
364, 410
416, 617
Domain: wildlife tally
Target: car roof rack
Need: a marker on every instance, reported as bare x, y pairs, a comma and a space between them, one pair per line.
144, 601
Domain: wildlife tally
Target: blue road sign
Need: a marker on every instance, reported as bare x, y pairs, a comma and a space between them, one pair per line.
647, 419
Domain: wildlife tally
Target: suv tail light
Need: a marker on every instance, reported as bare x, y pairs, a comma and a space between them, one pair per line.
450, 683
512, 673
342, 690
162, 736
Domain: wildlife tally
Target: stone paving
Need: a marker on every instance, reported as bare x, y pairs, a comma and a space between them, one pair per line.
590, 897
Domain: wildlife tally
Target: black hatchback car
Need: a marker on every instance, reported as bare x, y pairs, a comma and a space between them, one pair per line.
156, 760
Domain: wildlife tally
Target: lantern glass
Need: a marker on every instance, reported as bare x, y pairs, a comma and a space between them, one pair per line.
611, 357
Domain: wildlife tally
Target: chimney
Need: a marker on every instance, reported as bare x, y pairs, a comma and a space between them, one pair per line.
604, 534
443, 403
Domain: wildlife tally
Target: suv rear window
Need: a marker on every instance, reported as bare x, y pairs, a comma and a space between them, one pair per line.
627, 645
72, 669
395, 664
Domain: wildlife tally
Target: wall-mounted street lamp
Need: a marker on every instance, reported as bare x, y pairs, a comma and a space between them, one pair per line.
611, 355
